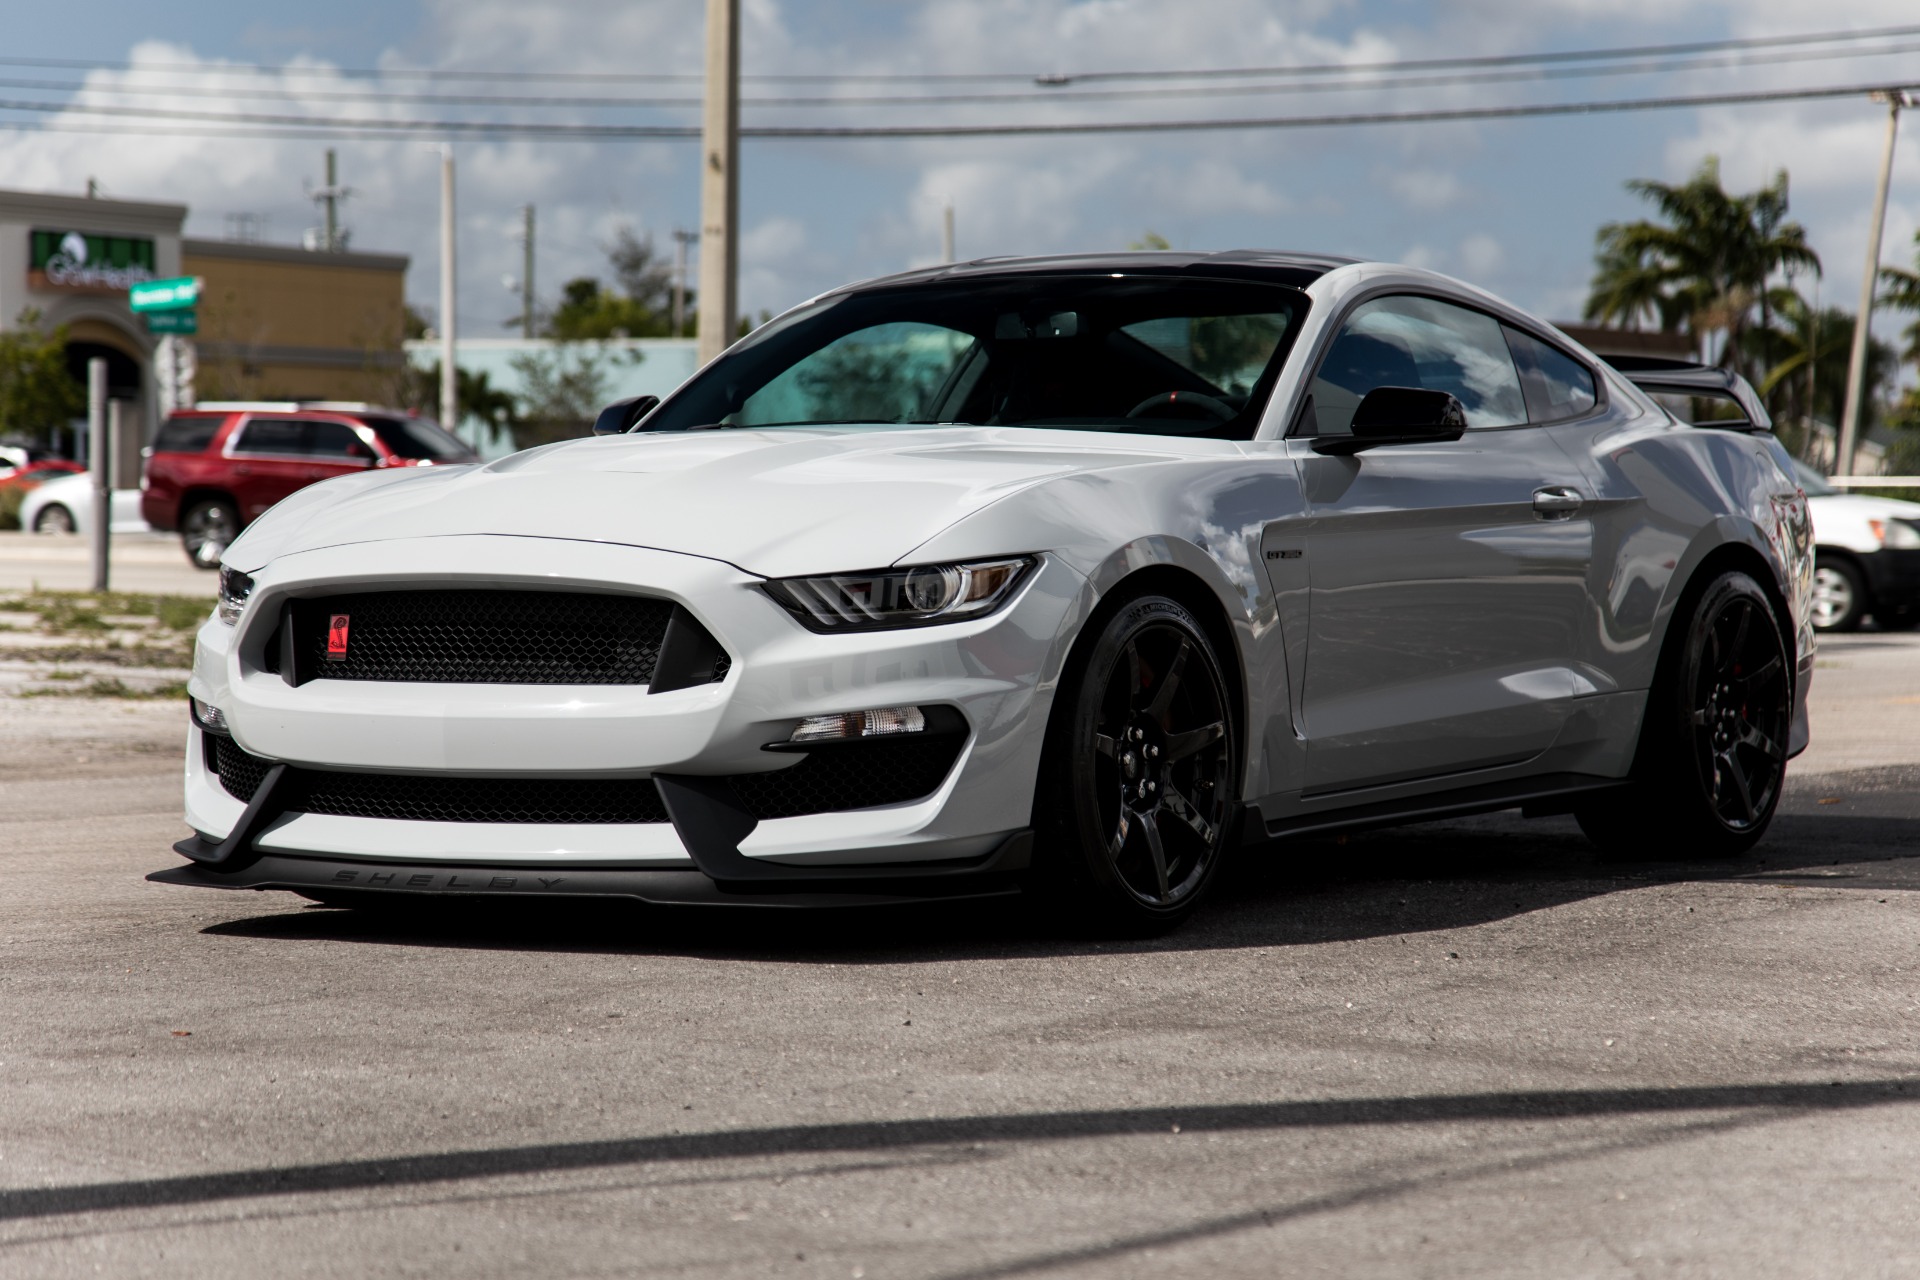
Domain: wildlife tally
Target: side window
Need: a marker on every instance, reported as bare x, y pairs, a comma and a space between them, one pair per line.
1557, 385
283, 436
885, 373
1406, 341
185, 435
336, 442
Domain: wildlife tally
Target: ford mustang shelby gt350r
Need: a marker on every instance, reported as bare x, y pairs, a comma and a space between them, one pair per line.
1075, 574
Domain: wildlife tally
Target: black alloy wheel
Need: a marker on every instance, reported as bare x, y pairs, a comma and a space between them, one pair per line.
55, 518
206, 530
1137, 787
1713, 748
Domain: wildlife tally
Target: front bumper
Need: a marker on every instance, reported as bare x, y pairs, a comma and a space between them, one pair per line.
997, 673
1893, 580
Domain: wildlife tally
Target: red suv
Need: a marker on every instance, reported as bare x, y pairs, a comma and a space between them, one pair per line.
214, 468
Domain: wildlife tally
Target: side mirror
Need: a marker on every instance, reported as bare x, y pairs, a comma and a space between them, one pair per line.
1399, 415
618, 418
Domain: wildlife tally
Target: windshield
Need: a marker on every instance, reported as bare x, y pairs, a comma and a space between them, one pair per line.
1096, 353
418, 438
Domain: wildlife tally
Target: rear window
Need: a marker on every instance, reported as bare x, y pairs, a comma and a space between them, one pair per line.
185, 435
1557, 386
418, 438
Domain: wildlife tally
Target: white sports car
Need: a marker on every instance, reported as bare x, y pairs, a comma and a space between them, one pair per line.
1074, 575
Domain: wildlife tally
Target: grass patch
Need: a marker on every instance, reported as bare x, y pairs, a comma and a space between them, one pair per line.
110, 687
92, 613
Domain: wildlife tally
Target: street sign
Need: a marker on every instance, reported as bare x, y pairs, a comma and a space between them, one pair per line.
173, 322
176, 294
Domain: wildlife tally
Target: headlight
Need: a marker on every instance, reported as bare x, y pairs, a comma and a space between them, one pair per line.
920, 596
1896, 535
235, 587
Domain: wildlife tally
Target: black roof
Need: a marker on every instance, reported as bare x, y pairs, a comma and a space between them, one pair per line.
1278, 267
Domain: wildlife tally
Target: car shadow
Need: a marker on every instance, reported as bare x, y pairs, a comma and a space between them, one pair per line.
1406, 880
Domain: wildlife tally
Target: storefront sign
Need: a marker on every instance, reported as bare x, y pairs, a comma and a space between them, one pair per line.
84, 263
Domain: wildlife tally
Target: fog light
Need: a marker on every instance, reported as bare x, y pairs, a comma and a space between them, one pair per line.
861, 724
208, 716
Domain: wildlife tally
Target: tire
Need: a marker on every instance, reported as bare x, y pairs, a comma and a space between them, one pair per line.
1713, 742
55, 518
207, 528
1839, 595
1134, 806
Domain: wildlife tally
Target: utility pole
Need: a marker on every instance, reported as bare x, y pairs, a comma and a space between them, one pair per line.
681, 239
449, 388
1863, 319
332, 198
946, 232
99, 460
720, 181
526, 272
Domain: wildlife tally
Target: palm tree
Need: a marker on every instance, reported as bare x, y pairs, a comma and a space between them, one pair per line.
1806, 351
1902, 293
1705, 265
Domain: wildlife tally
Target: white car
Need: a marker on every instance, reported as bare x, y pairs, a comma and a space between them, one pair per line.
65, 505
1074, 575
1867, 557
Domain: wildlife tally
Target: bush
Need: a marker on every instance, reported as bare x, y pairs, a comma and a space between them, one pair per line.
11, 496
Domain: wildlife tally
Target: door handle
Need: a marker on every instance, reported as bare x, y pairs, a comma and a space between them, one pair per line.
1556, 502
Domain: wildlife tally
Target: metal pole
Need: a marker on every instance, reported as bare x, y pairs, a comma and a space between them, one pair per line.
332, 203
526, 274
720, 182
99, 468
681, 239
449, 388
946, 232
1863, 320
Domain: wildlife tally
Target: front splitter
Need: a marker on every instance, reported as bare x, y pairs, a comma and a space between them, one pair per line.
996, 875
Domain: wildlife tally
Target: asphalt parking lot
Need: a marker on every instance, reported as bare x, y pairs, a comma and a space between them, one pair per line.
1459, 1049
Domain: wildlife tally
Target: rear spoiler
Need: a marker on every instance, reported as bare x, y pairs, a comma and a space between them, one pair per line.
1657, 375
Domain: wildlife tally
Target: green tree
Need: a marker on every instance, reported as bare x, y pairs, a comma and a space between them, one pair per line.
1703, 267
1806, 354
562, 391
1152, 240
1900, 291
639, 304
37, 394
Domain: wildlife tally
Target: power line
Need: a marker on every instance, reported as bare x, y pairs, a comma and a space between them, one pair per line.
1365, 81
201, 69
270, 126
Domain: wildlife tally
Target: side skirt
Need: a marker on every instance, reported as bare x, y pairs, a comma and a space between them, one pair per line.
1537, 796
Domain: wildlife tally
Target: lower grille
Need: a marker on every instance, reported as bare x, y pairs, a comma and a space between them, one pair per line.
854, 776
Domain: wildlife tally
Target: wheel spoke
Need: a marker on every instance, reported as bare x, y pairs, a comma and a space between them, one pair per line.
1182, 745
1188, 814
1731, 658
1731, 765
1765, 670
1163, 696
1119, 840
1158, 852
1136, 676
1750, 736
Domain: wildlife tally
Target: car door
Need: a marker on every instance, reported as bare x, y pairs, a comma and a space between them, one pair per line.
268, 460
1445, 580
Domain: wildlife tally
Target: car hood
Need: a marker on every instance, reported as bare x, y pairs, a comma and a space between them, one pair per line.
1864, 507
771, 502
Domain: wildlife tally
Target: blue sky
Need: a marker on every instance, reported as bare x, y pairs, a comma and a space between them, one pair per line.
1511, 206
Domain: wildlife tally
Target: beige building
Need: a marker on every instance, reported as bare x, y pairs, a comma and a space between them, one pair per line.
273, 322
280, 323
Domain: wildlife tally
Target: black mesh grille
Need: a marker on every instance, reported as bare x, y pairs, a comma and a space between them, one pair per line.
486, 637
240, 773
427, 798
849, 777
856, 776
